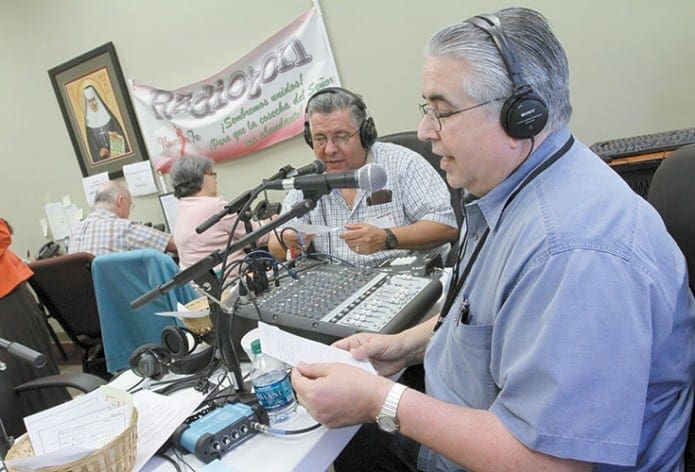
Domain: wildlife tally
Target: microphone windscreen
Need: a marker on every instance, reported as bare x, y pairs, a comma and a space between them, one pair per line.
371, 177
319, 166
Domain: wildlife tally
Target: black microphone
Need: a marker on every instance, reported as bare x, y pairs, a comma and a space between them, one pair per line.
316, 167
370, 177
23, 352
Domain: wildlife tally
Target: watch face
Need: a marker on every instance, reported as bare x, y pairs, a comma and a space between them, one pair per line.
391, 241
387, 423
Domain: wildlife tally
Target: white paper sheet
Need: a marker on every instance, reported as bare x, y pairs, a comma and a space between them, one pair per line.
307, 228
184, 312
57, 220
91, 184
73, 429
158, 418
293, 349
139, 178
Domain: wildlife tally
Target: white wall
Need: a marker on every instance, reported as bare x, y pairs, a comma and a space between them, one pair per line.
631, 63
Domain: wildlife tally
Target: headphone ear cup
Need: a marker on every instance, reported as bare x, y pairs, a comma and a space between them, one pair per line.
307, 134
175, 340
524, 115
368, 133
150, 361
193, 363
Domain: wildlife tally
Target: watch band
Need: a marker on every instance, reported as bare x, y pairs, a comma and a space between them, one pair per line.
390, 407
391, 239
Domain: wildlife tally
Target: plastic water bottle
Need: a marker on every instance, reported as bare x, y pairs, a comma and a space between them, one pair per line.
271, 382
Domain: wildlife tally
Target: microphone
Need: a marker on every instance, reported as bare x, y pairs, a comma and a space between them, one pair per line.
236, 205
23, 352
316, 167
370, 178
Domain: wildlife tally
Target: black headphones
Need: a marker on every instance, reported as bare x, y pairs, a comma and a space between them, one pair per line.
525, 113
368, 132
173, 354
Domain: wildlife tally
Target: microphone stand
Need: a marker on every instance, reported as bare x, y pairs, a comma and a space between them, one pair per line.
216, 257
23, 352
220, 316
6, 442
26, 354
236, 205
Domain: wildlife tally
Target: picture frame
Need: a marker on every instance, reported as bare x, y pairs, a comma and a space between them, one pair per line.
98, 112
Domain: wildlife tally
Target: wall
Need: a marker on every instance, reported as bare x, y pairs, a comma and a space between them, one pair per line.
630, 64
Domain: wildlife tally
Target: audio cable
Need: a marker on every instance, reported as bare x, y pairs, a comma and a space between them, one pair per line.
263, 428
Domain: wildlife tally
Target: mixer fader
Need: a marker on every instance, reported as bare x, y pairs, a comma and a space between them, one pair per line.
329, 301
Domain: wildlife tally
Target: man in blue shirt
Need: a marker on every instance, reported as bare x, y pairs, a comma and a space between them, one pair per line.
567, 338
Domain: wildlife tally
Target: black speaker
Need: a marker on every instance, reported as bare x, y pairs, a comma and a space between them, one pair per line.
368, 132
174, 354
525, 113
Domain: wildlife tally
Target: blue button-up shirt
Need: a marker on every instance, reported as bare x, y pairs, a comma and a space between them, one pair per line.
581, 332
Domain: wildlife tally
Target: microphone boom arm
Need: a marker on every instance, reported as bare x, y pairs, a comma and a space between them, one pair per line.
205, 264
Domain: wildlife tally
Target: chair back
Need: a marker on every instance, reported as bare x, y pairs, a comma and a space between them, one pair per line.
23, 323
673, 195
121, 277
410, 140
64, 287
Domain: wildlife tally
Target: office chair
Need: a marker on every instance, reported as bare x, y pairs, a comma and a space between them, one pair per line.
672, 193
64, 288
120, 278
410, 140
47, 388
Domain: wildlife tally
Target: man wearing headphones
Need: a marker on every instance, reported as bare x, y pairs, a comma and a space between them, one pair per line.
411, 212
566, 339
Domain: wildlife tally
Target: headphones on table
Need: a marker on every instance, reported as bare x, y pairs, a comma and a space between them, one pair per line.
525, 113
367, 131
174, 354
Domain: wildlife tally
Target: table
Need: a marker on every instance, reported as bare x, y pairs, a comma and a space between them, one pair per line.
315, 450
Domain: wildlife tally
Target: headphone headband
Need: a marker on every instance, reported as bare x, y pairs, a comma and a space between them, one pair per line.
525, 113
367, 129
174, 354
492, 26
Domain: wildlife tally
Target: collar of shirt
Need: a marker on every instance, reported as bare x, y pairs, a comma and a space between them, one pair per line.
102, 213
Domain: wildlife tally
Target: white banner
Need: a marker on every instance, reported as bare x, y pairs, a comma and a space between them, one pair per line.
254, 103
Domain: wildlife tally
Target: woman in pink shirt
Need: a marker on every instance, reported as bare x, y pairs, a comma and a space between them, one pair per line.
195, 185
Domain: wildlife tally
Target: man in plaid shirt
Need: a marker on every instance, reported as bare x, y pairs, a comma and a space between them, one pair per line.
108, 229
412, 212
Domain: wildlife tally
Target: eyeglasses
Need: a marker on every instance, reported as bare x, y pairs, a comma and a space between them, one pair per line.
214, 174
436, 117
340, 139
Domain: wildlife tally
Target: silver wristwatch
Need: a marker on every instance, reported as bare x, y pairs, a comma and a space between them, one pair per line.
387, 419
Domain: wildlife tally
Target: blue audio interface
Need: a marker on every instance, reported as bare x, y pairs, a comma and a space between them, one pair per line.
217, 431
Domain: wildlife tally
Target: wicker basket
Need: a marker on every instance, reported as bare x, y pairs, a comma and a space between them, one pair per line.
202, 325
118, 455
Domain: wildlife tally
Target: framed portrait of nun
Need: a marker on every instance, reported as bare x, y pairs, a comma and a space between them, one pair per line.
98, 113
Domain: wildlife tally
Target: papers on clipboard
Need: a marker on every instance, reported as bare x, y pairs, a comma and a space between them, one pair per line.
72, 430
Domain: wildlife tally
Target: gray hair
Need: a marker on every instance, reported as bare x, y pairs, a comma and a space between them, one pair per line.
107, 195
325, 101
187, 174
537, 51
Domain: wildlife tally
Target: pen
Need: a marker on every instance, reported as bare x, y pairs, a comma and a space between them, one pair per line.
465, 311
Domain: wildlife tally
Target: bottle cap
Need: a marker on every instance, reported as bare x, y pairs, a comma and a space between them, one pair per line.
256, 346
